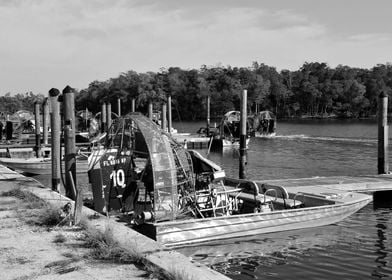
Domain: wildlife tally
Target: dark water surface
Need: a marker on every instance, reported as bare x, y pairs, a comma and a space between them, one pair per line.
359, 247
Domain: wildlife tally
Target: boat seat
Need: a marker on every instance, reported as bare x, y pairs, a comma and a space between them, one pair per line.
251, 197
286, 203
281, 197
248, 191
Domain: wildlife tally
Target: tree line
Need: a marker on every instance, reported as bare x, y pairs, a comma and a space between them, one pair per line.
314, 90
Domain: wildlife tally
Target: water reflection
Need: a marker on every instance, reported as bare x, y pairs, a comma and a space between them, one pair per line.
381, 248
245, 257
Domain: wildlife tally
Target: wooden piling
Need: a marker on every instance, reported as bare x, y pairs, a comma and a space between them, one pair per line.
133, 105
45, 121
119, 107
382, 163
243, 135
108, 115
103, 118
55, 138
37, 129
169, 114
208, 115
69, 142
150, 109
163, 117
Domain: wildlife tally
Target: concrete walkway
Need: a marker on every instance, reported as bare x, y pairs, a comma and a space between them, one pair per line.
170, 261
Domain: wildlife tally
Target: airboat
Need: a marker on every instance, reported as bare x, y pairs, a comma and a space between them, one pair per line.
178, 197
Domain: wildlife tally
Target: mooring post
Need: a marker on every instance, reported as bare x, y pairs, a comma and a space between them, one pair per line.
108, 115
169, 114
9, 129
103, 117
45, 120
382, 164
119, 107
55, 123
69, 142
133, 107
37, 129
208, 115
243, 135
163, 117
150, 109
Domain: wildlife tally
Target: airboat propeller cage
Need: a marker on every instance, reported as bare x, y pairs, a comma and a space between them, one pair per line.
164, 169
168, 164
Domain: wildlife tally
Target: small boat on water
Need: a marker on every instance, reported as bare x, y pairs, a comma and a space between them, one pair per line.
39, 166
262, 124
228, 132
179, 198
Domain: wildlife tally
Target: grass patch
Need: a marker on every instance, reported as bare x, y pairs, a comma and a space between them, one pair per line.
42, 213
178, 273
59, 238
30, 199
45, 216
104, 247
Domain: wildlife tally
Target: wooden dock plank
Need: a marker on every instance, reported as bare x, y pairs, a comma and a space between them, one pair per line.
365, 183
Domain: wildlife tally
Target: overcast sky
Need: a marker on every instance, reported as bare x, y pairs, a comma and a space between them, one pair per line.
54, 43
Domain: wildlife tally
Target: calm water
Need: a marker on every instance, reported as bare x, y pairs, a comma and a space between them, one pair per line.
360, 247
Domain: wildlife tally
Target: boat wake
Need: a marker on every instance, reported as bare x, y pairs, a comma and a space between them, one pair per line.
326, 138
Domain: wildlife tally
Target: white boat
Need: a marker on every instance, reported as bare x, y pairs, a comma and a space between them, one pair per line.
38, 166
179, 198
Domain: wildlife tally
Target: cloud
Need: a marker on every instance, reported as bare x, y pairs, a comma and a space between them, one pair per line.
48, 42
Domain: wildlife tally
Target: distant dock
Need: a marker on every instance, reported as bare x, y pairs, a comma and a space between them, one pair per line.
192, 141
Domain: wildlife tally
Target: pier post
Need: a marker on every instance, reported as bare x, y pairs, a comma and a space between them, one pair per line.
108, 116
45, 120
243, 134
37, 129
169, 114
382, 163
133, 107
150, 109
55, 123
69, 142
208, 115
9, 129
163, 117
103, 117
119, 107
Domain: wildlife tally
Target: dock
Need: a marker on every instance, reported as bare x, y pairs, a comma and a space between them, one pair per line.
192, 141
362, 184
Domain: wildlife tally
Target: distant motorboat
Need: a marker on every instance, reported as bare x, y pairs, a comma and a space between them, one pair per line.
262, 124
228, 132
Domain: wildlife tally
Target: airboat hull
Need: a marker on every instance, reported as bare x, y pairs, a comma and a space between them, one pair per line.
194, 231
